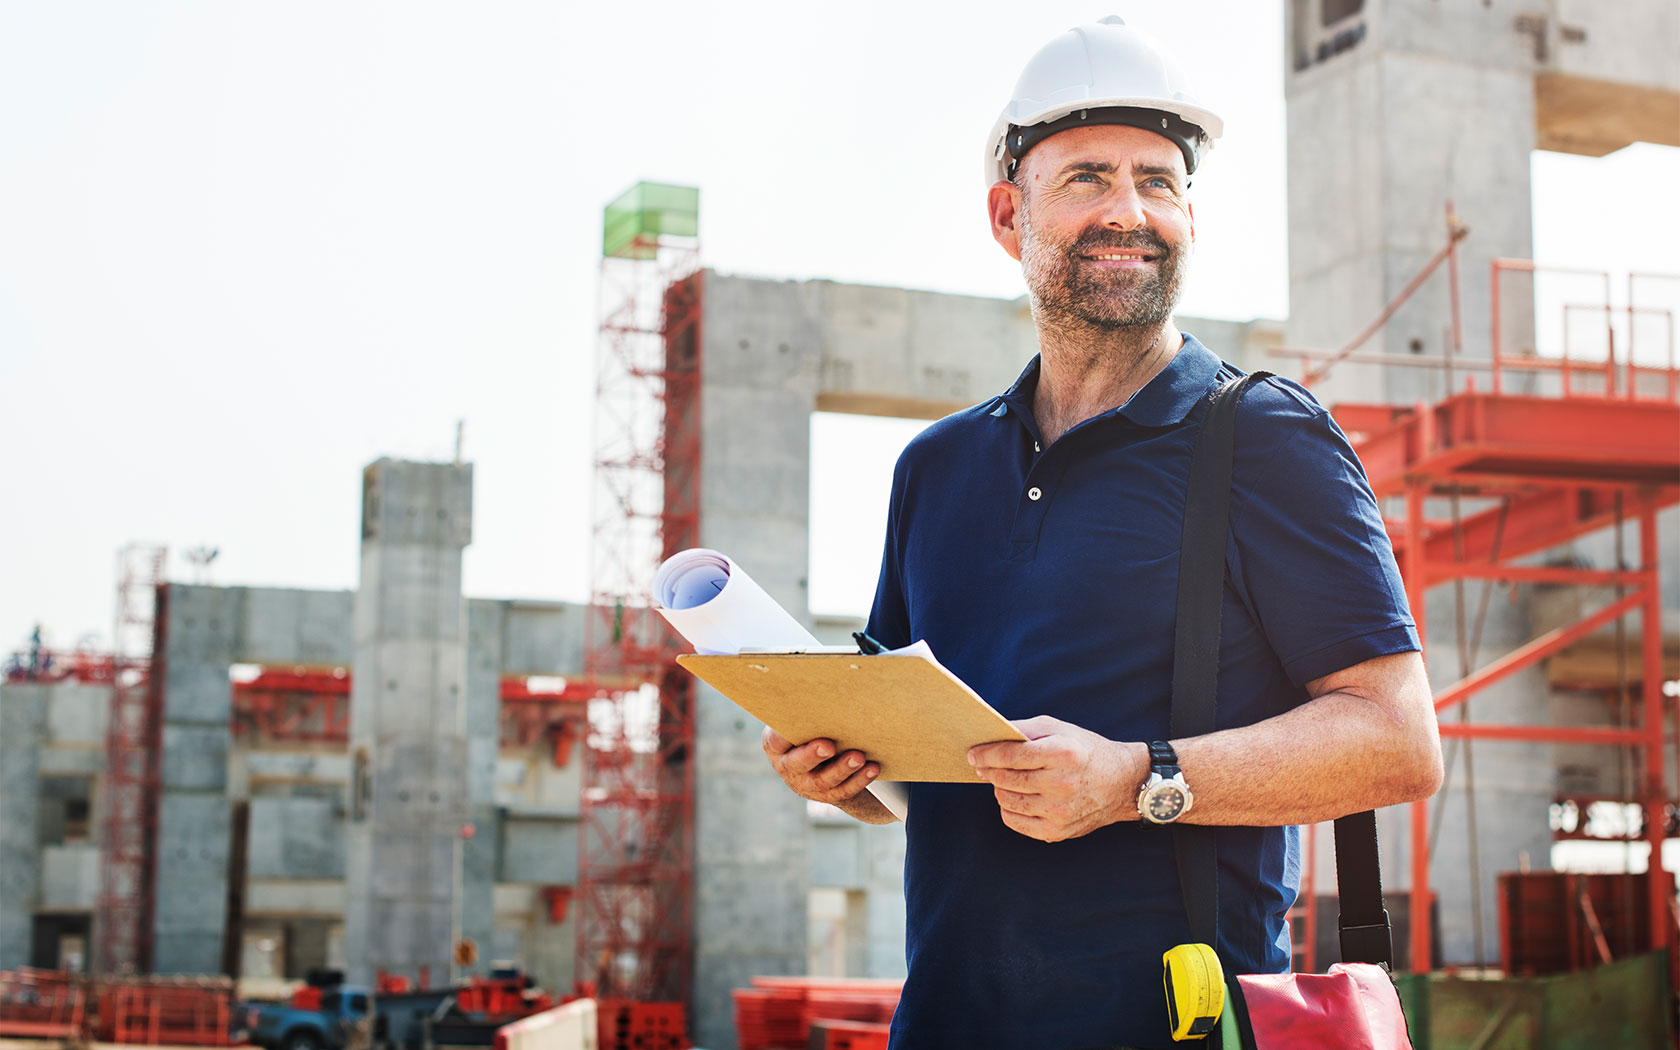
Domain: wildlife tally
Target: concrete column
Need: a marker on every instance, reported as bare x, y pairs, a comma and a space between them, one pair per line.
409, 791
23, 725
1394, 110
752, 853
194, 813
882, 867
483, 714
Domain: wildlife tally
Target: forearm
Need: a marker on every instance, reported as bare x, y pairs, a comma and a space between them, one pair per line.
1367, 738
1334, 755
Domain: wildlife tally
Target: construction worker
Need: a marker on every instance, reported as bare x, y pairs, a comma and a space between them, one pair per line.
1033, 541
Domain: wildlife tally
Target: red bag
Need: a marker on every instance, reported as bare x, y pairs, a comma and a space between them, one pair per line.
1353, 1007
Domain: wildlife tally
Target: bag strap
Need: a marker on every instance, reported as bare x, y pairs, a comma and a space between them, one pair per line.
1363, 923
1201, 582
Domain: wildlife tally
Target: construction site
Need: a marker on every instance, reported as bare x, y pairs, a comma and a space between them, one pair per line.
260, 799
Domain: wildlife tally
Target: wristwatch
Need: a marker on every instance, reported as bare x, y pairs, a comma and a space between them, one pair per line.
1165, 796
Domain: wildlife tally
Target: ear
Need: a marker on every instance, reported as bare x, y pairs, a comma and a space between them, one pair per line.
1190, 210
1003, 201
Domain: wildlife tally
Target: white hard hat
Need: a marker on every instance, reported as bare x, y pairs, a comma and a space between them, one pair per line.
1107, 73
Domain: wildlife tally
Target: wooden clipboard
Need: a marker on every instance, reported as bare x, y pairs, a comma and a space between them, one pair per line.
911, 715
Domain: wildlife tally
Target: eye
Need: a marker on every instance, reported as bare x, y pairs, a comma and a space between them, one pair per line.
1085, 175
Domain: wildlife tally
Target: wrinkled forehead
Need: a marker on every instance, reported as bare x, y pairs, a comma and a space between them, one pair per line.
1114, 147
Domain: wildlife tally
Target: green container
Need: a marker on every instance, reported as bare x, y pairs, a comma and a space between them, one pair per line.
647, 211
1624, 1004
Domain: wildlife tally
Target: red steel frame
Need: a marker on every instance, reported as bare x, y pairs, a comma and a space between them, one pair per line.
312, 706
133, 752
1559, 467
636, 833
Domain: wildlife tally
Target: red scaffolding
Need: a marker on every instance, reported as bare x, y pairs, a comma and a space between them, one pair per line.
303, 705
1592, 442
635, 851
133, 755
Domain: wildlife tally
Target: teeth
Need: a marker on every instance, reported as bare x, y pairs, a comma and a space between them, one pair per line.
1118, 257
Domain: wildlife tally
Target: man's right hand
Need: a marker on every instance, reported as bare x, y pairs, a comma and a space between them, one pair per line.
815, 772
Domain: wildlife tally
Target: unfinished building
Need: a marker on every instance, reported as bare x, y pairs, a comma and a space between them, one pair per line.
308, 738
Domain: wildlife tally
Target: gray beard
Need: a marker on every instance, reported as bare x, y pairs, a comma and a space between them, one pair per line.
1064, 286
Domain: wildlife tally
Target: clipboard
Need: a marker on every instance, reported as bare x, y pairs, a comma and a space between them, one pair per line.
906, 712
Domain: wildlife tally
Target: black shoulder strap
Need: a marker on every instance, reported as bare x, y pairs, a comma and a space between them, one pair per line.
1201, 581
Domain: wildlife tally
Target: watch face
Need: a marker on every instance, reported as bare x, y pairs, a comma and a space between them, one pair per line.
1166, 801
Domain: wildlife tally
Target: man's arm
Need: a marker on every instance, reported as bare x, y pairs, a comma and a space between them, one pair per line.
815, 772
1367, 738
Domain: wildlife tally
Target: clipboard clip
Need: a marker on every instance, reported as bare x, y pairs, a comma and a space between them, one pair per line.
867, 645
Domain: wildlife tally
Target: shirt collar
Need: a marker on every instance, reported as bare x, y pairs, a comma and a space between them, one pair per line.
1163, 401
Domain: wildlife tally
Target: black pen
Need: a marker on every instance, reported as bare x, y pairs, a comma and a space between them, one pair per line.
867, 645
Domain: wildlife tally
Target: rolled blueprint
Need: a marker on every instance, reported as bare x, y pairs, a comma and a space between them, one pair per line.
714, 604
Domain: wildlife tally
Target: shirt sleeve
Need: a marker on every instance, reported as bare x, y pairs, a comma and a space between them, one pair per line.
889, 617
1309, 554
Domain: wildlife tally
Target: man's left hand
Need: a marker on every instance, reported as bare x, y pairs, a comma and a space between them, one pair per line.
1062, 781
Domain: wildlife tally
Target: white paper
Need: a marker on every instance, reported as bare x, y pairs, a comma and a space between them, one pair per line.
895, 796
717, 607
719, 610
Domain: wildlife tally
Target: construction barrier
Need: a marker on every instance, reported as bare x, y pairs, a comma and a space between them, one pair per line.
42, 1004
569, 1027
168, 1011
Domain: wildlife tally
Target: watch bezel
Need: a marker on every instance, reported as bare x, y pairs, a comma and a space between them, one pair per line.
1154, 787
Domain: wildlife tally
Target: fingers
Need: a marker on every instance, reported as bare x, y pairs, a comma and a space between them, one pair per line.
1007, 754
815, 772
1025, 781
855, 784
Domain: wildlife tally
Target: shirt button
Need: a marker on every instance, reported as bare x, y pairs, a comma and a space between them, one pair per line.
1034, 493
1036, 448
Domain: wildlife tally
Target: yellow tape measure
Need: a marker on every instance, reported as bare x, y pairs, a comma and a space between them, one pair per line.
1195, 990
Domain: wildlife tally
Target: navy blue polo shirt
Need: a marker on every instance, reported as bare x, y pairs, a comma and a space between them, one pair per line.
1047, 581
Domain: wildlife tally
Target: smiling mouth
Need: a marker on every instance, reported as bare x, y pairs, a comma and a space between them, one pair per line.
1122, 257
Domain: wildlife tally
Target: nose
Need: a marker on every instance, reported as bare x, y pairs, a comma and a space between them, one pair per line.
1123, 208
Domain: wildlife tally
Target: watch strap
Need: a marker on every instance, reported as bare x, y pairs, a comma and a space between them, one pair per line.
1163, 759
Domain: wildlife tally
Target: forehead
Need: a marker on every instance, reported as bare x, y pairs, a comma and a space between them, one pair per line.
1117, 144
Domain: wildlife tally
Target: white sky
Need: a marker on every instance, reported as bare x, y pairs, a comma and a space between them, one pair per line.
246, 248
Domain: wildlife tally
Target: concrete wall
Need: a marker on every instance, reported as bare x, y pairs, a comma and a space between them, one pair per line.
22, 727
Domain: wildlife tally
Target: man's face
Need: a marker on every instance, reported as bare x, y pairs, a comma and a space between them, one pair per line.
1103, 225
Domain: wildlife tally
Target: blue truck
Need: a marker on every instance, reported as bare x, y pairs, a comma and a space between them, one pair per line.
327, 1014
324, 1021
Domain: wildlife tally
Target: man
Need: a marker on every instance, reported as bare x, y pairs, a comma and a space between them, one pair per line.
1033, 541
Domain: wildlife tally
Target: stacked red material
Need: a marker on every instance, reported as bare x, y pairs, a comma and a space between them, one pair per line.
850, 1035
42, 1004
626, 1025
169, 1011
780, 1013
768, 1019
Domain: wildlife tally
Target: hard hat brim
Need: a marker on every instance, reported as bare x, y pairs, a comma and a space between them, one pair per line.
1204, 120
